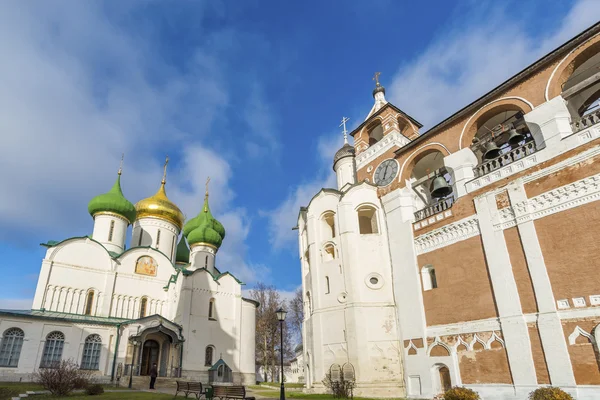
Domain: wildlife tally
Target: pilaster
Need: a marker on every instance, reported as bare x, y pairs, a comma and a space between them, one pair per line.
549, 325
512, 321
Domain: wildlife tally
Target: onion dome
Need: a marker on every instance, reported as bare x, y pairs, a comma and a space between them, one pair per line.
378, 87
347, 150
113, 202
182, 254
204, 228
159, 205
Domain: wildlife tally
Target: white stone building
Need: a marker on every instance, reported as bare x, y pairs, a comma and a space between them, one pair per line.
105, 305
468, 254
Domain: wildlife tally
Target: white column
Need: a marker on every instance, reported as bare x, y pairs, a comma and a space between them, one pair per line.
461, 164
549, 124
512, 321
549, 325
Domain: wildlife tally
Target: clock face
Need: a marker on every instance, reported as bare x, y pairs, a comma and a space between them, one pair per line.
385, 173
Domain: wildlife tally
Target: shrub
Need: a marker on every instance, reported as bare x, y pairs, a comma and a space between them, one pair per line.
341, 389
549, 393
94, 390
62, 378
461, 393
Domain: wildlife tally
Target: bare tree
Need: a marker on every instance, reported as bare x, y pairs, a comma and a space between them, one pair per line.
296, 309
268, 346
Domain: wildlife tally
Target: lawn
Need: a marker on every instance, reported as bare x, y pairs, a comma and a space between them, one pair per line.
9, 390
300, 395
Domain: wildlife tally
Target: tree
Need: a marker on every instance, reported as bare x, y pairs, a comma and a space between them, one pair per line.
268, 348
296, 314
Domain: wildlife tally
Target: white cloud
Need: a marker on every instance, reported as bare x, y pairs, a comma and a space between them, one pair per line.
473, 57
77, 92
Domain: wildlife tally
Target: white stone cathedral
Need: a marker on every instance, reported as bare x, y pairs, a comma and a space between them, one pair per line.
106, 305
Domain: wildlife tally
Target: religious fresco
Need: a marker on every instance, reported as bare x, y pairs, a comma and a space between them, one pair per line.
146, 265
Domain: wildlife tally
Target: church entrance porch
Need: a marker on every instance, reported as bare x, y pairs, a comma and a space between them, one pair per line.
150, 352
156, 341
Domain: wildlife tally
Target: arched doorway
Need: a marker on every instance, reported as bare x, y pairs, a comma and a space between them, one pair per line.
150, 355
445, 381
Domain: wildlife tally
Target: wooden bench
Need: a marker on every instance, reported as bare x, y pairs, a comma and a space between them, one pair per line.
230, 392
190, 387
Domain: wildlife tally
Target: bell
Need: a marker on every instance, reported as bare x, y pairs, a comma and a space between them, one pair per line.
491, 150
440, 188
515, 137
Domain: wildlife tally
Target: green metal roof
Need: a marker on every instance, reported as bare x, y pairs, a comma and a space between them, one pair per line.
113, 201
66, 317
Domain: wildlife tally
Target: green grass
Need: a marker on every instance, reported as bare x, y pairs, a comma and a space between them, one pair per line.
300, 395
13, 389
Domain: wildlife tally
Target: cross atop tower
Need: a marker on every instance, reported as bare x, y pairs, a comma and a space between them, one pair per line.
376, 78
344, 120
121, 164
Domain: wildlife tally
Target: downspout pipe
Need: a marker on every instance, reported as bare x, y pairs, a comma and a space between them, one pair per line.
180, 352
112, 373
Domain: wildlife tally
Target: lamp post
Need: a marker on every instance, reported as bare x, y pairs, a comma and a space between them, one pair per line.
281, 317
135, 344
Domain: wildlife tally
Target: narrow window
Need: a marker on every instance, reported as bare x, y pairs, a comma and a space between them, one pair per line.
173, 248
111, 231
326, 285
10, 349
143, 306
89, 303
211, 309
329, 252
428, 277
206, 262
367, 220
53, 349
220, 371
141, 234
208, 356
91, 352
158, 238
328, 225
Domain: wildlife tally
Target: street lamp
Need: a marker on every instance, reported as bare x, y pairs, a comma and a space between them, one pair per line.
281, 317
135, 344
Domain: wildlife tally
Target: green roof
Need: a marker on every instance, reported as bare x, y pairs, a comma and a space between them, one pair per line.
114, 202
204, 228
183, 252
61, 316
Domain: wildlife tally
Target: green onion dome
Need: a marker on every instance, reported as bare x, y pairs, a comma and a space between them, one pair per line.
205, 217
204, 228
183, 252
113, 202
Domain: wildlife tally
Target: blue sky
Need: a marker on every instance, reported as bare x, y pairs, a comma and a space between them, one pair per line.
249, 93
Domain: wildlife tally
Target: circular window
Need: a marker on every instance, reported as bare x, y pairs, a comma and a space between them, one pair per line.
374, 281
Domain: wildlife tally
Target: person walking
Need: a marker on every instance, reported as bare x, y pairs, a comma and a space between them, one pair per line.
153, 375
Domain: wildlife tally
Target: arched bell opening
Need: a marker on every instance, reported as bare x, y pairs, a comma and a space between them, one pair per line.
432, 185
502, 137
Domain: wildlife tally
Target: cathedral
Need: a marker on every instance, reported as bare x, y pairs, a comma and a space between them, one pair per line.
466, 255
116, 309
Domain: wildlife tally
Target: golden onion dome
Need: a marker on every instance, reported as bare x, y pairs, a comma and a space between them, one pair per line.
159, 206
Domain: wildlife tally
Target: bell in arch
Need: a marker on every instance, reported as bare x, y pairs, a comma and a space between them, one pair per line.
491, 150
515, 137
440, 188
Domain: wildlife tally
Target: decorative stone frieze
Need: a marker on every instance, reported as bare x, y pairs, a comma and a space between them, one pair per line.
447, 235
392, 139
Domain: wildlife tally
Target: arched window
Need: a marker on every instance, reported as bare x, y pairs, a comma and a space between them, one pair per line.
208, 356
143, 307
157, 238
91, 352
220, 370
141, 236
328, 225
111, 231
211, 309
367, 220
498, 133
89, 303
428, 277
206, 262
327, 285
53, 349
308, 304
307, 258
328, 252
375, 132
10, 349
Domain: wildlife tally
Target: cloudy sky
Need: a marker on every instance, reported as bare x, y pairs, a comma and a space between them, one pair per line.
249, 93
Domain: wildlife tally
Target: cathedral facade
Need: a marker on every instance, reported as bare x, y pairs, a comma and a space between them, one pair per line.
116, 309
467, 254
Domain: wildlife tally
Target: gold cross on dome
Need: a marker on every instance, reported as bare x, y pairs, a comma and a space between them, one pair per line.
121, 164
207, 181
164, 179
376, 78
